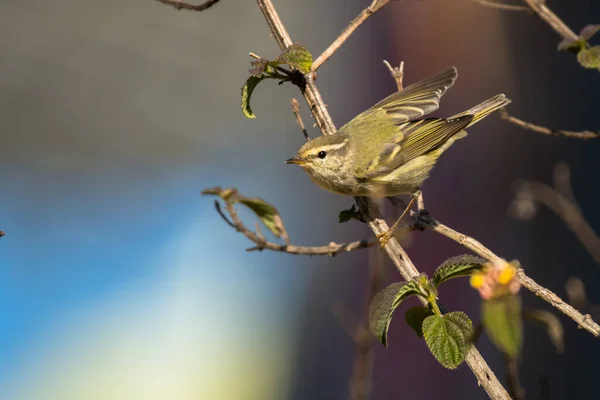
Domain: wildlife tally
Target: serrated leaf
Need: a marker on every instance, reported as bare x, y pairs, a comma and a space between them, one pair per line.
385, 303
258, 67
502, 320
589, 58
297, 57
588, 31
455, 267
415, 316
247, 90
447, 337
347, 215
267, 214
553, 326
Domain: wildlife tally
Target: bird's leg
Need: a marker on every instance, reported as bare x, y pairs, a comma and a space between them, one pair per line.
386, 236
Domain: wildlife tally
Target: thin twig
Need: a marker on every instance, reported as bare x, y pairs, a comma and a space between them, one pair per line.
546, 131
501, 6
541, 10
561, 201
262, 244
178, 4
584, 321
511, 369
296, 111
397, 73
375, 6
474, 360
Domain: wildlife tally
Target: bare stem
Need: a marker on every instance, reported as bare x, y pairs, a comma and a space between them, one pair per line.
501, 6
546, 131
178, 4
474, 360
561, 201
375, 6
541, 10
296, 111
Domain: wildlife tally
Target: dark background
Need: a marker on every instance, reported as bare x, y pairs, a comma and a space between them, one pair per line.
117, 280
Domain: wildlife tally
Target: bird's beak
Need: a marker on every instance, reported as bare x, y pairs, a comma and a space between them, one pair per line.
295, 160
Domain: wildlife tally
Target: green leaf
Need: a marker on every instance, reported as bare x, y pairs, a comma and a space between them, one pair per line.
385, 303
297, 57
503, 323
554, 328
415, 316
589, 58
455, 267
247, 90
268, 215
448, 337
588, 31
347, 215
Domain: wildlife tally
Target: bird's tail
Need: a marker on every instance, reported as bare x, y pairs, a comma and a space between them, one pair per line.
484, 109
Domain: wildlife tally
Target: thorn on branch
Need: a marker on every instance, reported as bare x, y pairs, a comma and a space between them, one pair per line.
178, 4
546, 131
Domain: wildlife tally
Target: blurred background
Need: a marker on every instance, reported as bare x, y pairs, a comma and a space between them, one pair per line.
119, 281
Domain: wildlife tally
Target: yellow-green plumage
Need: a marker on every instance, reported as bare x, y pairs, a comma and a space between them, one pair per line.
390, 149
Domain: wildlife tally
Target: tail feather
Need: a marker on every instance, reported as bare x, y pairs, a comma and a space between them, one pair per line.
484, 109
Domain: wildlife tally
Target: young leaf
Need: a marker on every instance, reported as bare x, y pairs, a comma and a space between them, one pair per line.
570, 44
247, 90
552, 324
415, 316
455, 267
589, 58
297, 57
588, 31
385, 303
347, 215
447, 337
268, 215
258, 67
503, 323
225, 194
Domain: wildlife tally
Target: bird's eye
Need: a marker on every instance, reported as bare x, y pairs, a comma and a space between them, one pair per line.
322, 154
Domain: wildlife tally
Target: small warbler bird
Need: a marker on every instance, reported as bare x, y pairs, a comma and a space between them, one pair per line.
390, 148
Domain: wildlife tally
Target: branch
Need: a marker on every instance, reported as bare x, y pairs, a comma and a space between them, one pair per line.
539, 8
261, 243
560, 200
474, 360
546, 131
296, 111
500, 6
375, 6
178, 4
584, 321
397, 73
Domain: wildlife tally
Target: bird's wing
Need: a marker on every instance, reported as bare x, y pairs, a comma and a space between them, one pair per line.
418, 99
414, 139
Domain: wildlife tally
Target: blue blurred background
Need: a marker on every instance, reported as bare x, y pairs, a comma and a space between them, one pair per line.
119, 281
